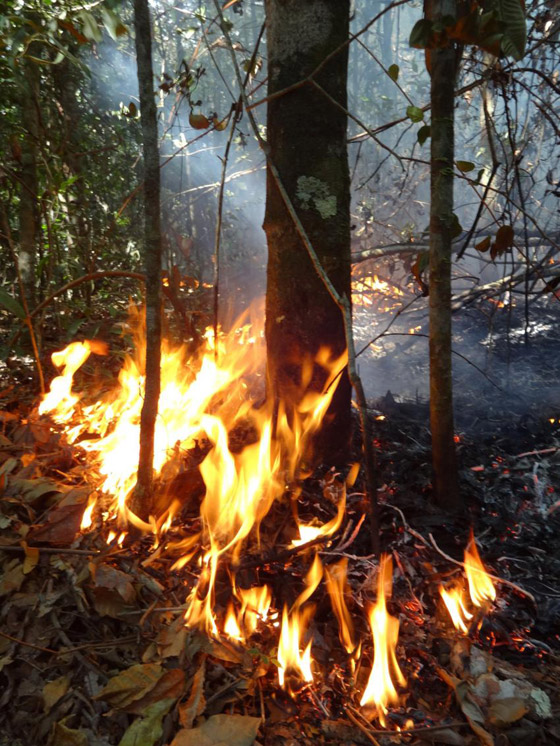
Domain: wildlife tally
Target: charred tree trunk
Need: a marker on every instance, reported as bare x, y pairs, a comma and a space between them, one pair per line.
444, 62
142, 499
306, 135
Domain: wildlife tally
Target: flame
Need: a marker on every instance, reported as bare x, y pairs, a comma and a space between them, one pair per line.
295, 664
380, 690
310, 532
338, 588
453, 600
87, 518
481, 587
255, 603
364, 287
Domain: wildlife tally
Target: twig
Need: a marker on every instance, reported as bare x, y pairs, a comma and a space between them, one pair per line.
365, 731
28, 644
536, 453
50, 550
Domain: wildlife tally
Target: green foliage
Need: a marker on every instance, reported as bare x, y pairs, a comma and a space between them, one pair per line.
500, 30
423, 133
414, 114
464, 166
11, 304
393, 71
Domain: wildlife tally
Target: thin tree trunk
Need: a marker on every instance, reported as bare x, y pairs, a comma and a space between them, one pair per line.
28, 206
443, 71
306, 134
142, 499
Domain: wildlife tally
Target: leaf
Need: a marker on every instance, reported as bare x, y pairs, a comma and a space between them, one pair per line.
196, 702
31, 558
514, 40
503, 241
464, 166
62, 735
112, 23
503, 712
130, 685
393, 71
198, 121
421, 263
105, 576
423, 133
89, 26
148, 729
170, 686
414, 114
80, 38
12, 579
53, 691
63, 523
220, 730
11, 304
483, 245
421, 34
456, 227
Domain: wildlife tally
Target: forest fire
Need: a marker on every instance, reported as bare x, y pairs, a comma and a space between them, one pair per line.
364, 290
206, 398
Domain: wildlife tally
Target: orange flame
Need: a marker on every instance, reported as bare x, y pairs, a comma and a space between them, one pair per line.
453, 600
481, 587
295, 664
380, 690
338, 588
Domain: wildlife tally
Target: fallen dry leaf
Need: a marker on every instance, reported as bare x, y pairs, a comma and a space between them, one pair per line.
31, 558
170, 686
62, 735
53, 691
503, 712
196, 702
131, 685
220, 730
148, 729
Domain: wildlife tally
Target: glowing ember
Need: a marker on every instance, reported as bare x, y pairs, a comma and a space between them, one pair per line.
481, 587
338, 588
295, 664
380, 690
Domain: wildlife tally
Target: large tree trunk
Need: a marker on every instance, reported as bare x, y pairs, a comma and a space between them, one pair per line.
444, 62
142, 500
306, 134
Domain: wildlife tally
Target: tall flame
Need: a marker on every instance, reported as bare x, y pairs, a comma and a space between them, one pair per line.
481, 587
337, 587
380, 690
295, 663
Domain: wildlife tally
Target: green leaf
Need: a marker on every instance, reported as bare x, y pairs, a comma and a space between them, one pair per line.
393, 72
89, 26
113, 23
514, 40
414, 114
464, 166
11, 304
421, 34
479, 175
148, 729
423, 133
456, 227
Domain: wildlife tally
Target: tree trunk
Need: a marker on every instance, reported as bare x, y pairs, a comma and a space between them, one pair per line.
444, 61
142, 499
28, 206
306, 135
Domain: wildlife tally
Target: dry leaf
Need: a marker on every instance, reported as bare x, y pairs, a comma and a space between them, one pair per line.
131, 685
169, 687
196, 702
62, 735
12, 579
53, 691
31, 558
503, 712
220, 730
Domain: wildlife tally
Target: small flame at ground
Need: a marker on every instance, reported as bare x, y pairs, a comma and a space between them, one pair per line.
380, 691
295, 663
481, 590
338, 588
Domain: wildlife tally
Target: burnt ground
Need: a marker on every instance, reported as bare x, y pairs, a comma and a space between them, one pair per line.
93, 649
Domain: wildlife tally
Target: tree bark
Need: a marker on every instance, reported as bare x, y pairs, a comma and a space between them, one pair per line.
28, 206
142, 499
444, 61
306, 135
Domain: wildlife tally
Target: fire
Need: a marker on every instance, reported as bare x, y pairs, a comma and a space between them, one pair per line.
481, 588
453, 600
380, 690
338, 588
295, 664
364, 287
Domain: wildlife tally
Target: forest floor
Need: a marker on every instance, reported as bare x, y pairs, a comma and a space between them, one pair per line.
93, 646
